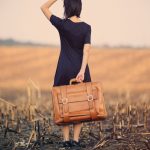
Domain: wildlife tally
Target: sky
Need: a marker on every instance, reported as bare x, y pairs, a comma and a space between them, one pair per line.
113, 22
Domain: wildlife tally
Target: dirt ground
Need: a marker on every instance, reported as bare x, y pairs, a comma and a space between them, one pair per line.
114, 133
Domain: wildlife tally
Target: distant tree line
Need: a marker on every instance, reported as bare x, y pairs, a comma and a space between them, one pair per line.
12, 42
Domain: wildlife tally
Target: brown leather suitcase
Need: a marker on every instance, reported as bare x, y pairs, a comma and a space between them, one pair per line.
79, 102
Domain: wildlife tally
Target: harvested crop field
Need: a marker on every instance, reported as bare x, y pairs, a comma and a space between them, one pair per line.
25, 101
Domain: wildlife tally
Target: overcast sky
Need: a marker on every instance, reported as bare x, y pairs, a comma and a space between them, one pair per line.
113, 22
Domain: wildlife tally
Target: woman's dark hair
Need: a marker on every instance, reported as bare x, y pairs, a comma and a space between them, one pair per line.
72, 7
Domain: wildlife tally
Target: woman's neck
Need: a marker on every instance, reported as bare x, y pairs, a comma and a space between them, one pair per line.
75, 19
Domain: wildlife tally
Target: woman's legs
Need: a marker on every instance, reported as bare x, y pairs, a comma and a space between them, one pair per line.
77, 129
65, 130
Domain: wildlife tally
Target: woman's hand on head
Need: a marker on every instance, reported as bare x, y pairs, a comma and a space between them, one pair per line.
80, 76
45, 8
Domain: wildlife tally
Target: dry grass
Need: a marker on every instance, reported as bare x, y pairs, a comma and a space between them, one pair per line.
28, 124
118, 69
25, 82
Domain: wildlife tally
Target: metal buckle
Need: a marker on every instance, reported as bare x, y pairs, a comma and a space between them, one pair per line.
90, 97
66, 100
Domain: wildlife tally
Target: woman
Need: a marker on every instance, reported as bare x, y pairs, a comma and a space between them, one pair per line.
75, 38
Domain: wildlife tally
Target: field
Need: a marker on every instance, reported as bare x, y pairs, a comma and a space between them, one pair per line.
25, 82
129, 69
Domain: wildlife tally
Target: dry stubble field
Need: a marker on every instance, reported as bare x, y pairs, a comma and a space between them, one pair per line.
124, 73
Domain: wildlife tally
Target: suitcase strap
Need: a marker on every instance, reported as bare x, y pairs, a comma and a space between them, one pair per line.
89, 98
65, 106
91, 101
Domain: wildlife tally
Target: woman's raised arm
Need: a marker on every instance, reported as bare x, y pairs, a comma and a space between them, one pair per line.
45, 8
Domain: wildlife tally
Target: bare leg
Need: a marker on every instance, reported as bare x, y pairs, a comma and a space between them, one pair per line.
65, 130
77, 130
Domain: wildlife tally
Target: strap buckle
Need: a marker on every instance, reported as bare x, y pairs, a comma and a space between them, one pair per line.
90, 97
64, 100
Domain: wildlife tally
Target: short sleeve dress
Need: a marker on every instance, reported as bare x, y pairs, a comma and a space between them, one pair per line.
73, 36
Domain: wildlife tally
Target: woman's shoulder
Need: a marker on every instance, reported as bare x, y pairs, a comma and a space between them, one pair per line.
81, 22
88, 25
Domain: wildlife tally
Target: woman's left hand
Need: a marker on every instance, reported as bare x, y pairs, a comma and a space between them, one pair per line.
80, 76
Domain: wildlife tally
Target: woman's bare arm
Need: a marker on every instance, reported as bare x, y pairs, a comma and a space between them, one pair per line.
45, 8
86, 53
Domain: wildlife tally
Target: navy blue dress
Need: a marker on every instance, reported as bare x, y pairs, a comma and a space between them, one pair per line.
73, 36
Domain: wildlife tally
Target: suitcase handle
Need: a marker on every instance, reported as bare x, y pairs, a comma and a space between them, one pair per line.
73, 80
